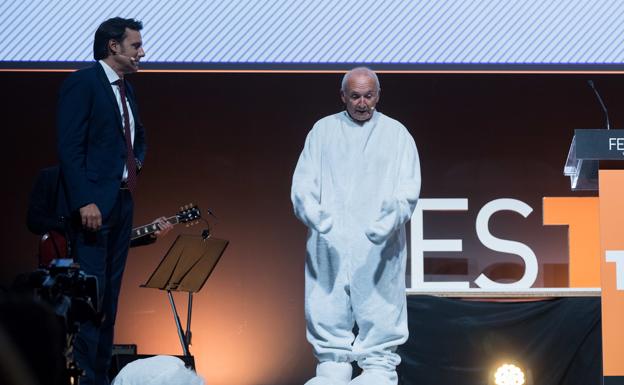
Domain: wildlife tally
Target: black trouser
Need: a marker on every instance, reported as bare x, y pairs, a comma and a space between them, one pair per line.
102, 254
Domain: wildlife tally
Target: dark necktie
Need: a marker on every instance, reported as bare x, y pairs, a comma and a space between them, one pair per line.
130, 161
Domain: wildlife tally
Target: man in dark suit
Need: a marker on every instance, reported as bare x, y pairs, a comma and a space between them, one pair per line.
101, 147
47, 205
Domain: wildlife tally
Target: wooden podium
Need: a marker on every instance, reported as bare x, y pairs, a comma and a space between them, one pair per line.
596, 162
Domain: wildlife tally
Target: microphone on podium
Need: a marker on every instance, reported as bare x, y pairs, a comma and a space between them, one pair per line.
604, 108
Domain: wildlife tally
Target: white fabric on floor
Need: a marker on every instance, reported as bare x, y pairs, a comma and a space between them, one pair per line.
157, 370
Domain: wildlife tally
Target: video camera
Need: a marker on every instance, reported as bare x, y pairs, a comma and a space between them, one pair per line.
72, 293
73, 296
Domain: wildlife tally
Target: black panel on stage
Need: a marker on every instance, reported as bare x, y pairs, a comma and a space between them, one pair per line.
460, 342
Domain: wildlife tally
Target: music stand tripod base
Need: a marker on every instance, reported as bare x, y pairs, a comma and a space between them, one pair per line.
186, 267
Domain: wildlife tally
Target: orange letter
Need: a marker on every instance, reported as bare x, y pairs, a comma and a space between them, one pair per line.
582, 217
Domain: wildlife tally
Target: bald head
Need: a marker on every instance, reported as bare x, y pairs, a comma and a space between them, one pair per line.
360, 93
359, 71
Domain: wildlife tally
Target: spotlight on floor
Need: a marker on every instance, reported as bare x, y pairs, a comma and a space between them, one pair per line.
509, 374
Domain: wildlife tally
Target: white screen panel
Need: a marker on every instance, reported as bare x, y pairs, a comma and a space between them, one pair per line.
326, 34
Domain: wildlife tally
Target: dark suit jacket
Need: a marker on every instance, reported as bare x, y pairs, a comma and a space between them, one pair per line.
91, 141
47, 206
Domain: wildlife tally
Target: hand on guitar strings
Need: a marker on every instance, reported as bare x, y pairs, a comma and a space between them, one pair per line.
164, 227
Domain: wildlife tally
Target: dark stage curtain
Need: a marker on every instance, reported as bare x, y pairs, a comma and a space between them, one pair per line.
458, 342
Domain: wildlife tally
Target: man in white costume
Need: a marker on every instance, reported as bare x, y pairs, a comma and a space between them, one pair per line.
355, 185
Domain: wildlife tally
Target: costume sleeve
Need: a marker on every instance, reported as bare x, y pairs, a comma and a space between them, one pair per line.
74, 108
397, 210
306, 186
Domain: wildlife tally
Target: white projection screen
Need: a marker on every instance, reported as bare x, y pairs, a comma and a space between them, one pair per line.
310, 35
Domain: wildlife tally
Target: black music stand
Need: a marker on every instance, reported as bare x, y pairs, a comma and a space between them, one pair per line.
186, 267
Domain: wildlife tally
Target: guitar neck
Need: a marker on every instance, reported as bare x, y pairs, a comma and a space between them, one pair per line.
151, 228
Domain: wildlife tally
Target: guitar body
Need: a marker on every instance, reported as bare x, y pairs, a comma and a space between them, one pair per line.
53, 245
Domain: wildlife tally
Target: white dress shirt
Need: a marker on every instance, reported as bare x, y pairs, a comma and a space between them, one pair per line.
112, 78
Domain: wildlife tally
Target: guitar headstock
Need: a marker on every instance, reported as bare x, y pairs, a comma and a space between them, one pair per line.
188, 214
